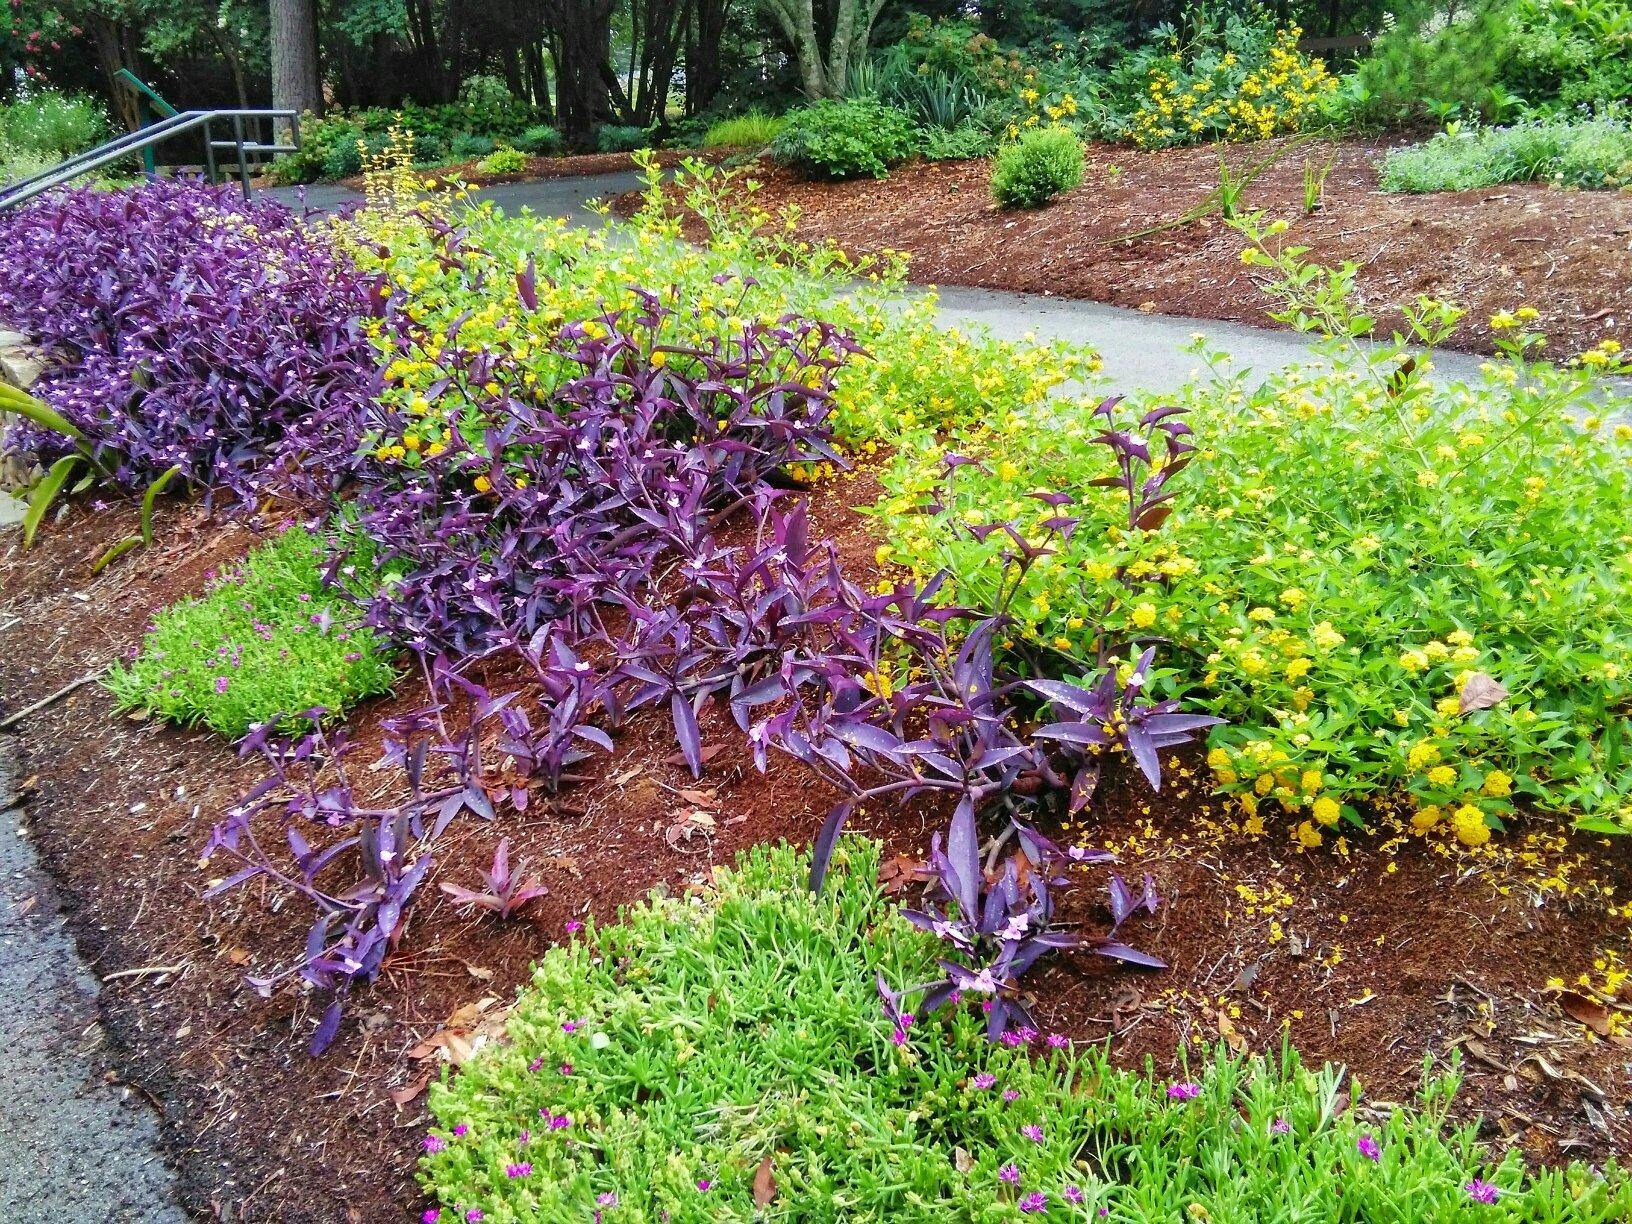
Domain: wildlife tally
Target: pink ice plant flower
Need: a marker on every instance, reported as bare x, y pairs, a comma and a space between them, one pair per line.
1481, 1191
1034, 1133
1183, 1092
524, 1169
1367, 1147
984, 1080
1280, 1127
1073, 1194
1009, 1173
433, 1143
1034, 1202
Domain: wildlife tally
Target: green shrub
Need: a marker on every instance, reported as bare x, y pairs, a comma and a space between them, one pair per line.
844, 140
484, 93
344, 158
615, 139
503, 161
1404, 596
468, 146
540, 140
266, 639
708, 1049
753, 130
1577, 153
52, 125
1032, 170
961, 143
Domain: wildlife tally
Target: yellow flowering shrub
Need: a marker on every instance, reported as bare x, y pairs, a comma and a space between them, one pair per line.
1399, 591
1246, 81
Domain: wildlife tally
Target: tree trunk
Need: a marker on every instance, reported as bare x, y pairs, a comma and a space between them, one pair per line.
704, 69
295, 83
582, 38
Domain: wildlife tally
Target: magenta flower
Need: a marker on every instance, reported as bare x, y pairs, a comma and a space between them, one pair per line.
536, 1063
1073, 1194
984, 1080
1183, 1092
1027, 1034
221, 683
524, 1169
1058, 1041
433, 1143
609, 1199
899, 1036
566, 1068
1280, 1127
430, 1216
703, 1183
1481, 1191
560, 1122
1010, 1094
1368, 1148
474, 1214
1012, 1038
570, 1026
573, 928
1034, 1133
460, 1131
1009, 1173
1035, 1201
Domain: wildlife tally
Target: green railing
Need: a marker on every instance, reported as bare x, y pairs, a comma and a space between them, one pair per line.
148, 103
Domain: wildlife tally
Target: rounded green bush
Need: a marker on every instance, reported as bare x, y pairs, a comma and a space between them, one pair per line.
844, 140
503, 161
540, 140
1031, 171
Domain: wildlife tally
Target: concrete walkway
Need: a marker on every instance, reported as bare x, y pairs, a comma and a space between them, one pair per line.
78, 1149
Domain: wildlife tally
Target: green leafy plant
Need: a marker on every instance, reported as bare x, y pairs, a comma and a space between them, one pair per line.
1590, 152
844, 140
614, 138
1314, 185
540, 140
724, 1057
268, 638
1031, 170
1392, 587
503, 161
753, 130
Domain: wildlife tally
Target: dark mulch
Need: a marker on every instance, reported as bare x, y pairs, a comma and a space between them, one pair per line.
1567, 253
1383, 956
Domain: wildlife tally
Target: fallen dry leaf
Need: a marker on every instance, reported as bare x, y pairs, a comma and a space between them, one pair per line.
1481, 692
764, 1183
412, 1088
1583, 1010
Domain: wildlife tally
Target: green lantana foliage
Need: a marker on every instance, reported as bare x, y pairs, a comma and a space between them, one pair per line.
1402, 593
268, 638
723, 1057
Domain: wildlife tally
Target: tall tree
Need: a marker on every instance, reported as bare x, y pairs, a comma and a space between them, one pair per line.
825, 48
295, 84
581, 42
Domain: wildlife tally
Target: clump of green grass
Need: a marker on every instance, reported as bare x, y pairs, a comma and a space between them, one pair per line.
267, 639
708, 1047
753, 130
1572, 153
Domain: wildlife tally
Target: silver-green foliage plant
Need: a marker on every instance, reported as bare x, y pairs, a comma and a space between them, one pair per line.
724, 1057
1037, 166
268, 638
1591, 152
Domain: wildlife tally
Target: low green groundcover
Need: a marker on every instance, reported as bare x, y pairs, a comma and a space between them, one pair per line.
267, 639
725, 1057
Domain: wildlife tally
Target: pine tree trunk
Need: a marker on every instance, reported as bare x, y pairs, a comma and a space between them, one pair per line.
294, 57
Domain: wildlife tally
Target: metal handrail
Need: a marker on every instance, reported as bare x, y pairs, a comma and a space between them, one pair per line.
145, 138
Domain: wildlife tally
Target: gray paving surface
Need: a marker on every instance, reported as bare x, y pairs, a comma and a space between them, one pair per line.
78, 1150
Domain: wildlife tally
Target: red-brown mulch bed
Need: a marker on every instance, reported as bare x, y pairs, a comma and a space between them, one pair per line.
1567, 253
1381, 958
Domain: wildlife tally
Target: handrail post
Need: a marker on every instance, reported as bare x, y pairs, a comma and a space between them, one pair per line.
209, 154
243, 161
150, 165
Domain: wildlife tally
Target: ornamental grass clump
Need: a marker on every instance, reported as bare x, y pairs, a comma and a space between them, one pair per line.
722, 1056
1032, 169
183, 327
1406, 597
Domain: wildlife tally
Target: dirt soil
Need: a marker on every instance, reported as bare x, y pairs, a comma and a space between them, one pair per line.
1378, 955
1568, 253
